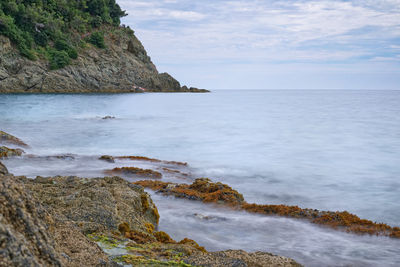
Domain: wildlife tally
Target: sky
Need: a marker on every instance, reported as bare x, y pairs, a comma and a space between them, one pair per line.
266, 44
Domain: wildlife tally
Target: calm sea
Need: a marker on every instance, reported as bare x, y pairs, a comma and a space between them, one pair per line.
329, 150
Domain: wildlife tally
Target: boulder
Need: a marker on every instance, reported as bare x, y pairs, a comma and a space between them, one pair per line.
96, 204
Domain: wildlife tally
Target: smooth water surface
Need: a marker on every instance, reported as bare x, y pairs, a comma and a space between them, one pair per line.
330, 150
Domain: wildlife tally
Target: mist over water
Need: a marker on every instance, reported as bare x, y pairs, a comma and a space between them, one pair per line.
330, 150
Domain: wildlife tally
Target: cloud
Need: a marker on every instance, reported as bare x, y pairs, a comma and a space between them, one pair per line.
270, 31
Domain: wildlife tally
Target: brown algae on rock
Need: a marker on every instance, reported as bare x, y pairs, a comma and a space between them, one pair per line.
10, 139
107, 158
205, 190
135, 172
6, 152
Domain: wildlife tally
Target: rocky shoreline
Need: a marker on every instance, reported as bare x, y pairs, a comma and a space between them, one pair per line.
122, 67
73, 221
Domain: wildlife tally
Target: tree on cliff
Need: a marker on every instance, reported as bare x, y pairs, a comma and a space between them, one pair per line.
35, 27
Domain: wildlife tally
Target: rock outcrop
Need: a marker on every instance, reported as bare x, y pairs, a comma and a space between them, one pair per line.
96, 204
7, 138
123, 66
6, 152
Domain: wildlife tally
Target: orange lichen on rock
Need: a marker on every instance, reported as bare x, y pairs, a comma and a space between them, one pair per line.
153, 185
149, 228
133, 171
193, 244
206, 191
124, 228
139, 237
202, 189
145, 202
163, 237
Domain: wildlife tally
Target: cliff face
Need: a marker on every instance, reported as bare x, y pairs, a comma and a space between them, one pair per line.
123, 66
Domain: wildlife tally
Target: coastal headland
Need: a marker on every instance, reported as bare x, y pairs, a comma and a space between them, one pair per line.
75, 47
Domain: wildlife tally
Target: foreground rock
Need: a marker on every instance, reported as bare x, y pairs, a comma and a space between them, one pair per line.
123, 66
71, 221
31, 235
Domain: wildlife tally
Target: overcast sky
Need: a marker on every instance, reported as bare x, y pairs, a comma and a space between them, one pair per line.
266, 44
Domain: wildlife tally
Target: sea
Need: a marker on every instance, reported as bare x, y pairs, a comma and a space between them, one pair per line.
330, 150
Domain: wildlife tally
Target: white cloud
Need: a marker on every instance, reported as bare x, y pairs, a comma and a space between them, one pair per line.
257, 31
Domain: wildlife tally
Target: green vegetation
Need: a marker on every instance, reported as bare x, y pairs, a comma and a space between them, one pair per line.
55, 29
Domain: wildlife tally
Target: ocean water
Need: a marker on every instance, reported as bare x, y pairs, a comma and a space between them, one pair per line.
329, 150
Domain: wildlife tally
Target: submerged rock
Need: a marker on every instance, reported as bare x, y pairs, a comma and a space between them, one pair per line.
6, 152
108, 118
10, 139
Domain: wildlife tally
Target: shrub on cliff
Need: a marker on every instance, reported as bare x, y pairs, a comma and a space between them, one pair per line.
97, 39
58, 59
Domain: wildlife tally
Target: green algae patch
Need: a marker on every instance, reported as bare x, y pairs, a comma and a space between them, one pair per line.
142, 261
107, 242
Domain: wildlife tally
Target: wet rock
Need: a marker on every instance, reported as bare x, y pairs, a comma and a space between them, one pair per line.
209, 218
239, 258
98, 204
206, 191
10, 139
107, 158
108, 118
3, 169
6, 152
135, 172
63, 157
201, 189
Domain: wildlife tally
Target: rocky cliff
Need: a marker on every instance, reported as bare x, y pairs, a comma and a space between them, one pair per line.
123, 66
